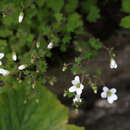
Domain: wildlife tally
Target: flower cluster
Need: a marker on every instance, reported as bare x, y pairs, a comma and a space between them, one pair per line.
77, 88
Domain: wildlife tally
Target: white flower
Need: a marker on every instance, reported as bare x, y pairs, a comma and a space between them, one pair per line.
77, 99
113, 64
77, 86
22, 67
109, 94
4, 72
20, 18
1, 55
50, 45
14, 56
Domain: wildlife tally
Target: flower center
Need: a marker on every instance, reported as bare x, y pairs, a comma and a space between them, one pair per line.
109, 93
78, 85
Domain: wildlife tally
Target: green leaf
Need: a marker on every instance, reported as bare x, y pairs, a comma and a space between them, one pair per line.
88, 54
55, 5
75, 69
78, 60
42, 66
125, 22
3, 45
74, 22
126, 6
11, 18
24, 109
87, 4
71, 6
90, 8
66, 38
95, 43
94, 14
59, 17
4, 32
40, 2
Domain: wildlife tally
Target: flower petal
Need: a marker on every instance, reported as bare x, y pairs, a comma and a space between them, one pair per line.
115, 97
72, 89
113, 90
81, 86
4, 72
77, 99
113, 64
77, 78
78, 91
103, 94
74, 82
110, 99
105, 88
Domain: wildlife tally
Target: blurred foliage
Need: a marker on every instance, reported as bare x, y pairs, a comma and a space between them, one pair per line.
27, 108
126, 6
91, 10
125, 21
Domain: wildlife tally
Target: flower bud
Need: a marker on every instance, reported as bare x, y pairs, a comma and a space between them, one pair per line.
20, 18
50, 45
14, 56
22, 67
113, 64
